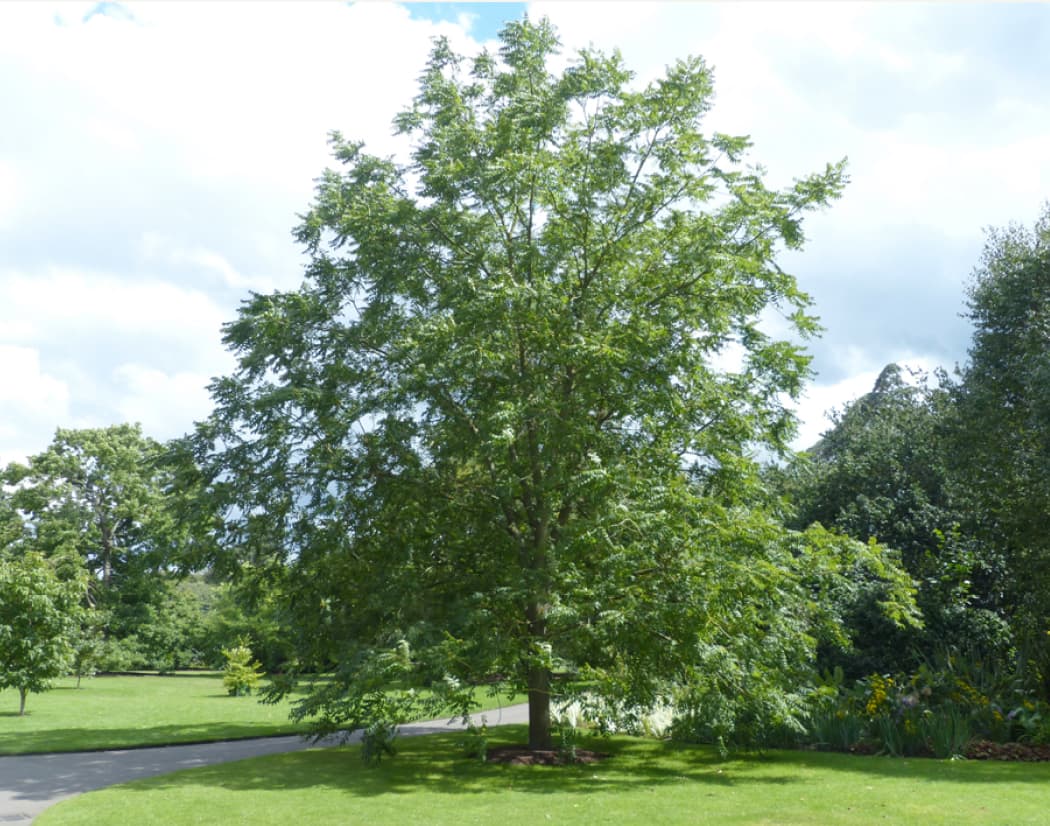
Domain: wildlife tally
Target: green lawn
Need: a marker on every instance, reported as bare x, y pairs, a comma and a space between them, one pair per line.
146, 710
644, 782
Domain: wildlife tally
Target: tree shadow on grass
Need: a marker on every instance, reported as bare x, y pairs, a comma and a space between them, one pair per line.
435, 764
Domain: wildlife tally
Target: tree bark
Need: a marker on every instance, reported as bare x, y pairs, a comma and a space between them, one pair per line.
22, 702
539, 708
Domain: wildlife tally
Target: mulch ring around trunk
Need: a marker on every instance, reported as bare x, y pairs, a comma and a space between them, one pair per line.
524, 756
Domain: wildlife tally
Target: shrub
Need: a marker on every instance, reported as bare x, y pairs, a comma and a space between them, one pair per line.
476, 740
377, 742
939, 709
568, 738
241, 674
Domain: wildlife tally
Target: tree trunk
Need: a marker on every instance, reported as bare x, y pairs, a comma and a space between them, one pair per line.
107, 552
538, 680
22, 702
539, 708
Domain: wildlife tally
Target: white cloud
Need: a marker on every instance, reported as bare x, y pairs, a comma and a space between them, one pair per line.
31, 401
153, 147
73, 346
154, 246
114, 133
238, 92
23, 385
61, 301
165, 404
9, 192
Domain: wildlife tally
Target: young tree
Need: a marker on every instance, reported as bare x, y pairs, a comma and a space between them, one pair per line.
490, 436
39, 620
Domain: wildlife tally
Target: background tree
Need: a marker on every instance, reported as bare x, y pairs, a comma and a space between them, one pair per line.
39, 620
1002, 445
89, 644
882, 471
12, 528
100, 494
489, 436
248, 610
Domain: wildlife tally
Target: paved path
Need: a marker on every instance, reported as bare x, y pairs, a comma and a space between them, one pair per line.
31, 783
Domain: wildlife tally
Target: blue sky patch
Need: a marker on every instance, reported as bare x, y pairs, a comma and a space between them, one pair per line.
488, 18
108, 9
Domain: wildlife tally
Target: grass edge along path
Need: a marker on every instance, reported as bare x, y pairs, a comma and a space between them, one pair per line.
143, 711
643, 782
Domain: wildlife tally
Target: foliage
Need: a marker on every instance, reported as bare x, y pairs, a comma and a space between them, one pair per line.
89, 647
831, 722
39, 615
883, 471
94, 492
167, 629
99, 494
879, 470
377, 741
12, 528
568, 735
245, 609
241, 675
1002, 445
734, 699
491, 424
939, 709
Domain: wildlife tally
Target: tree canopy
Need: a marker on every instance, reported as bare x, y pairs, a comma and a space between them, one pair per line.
1002, 447
99, 494
505, 430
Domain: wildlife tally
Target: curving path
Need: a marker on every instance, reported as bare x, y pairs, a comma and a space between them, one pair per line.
31, 783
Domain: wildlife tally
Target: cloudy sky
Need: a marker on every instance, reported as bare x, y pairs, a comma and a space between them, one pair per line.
153, 158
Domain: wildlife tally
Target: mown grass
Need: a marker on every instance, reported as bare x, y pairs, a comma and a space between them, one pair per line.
143, 710
643, 782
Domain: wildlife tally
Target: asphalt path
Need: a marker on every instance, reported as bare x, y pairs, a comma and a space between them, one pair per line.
31, 783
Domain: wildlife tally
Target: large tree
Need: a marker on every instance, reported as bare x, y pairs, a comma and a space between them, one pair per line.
1002, 447
505, 428
100, 494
